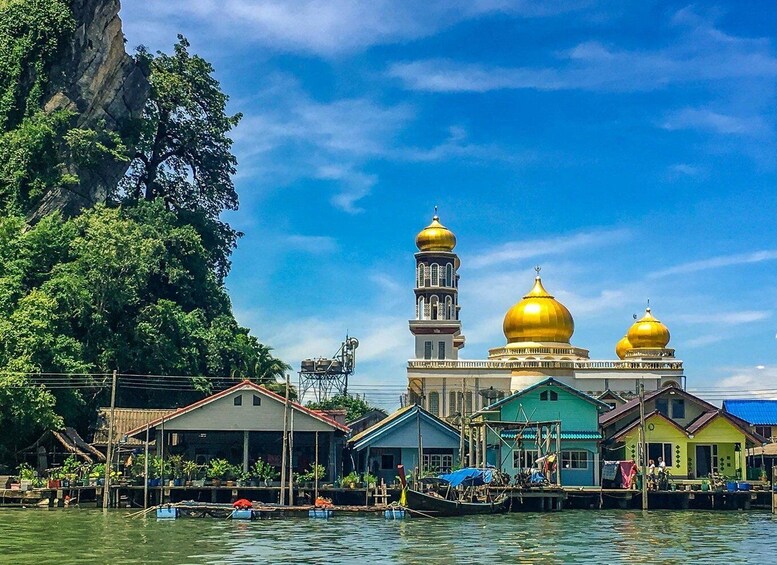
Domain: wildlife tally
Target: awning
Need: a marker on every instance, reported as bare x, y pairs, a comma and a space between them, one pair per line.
469, 476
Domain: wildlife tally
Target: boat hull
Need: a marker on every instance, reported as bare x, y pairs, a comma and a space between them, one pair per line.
437, 506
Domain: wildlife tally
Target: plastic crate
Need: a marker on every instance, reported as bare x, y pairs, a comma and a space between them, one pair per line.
166, 513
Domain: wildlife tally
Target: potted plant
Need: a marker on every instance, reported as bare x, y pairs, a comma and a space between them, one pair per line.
217, 470
175, 465
97, 474
190, 469
27, 476
314, 472
232, 474
370, 480
351, 479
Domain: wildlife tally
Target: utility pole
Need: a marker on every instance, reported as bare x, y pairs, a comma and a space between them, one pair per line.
145, 473
462, 410
109, 450
284, 448
643, 444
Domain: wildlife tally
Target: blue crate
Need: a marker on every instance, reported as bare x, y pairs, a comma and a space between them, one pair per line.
395, 513
166, 513
239, 514
320, 513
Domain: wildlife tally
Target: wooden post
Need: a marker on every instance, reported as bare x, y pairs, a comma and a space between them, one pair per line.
316, 469
462, 410
161, 450
245, 450
145, 474
291, 457
109, 450
643, 444
558, 453
284, 447
420, 466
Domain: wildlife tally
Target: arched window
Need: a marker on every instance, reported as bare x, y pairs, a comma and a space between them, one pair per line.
434, 403
448, 308
421, 274
449, 275
434, 306
420, 312
435, 274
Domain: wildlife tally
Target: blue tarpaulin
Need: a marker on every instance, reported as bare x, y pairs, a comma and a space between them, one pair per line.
469, 476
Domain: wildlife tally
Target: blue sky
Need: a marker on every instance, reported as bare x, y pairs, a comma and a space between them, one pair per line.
630, 148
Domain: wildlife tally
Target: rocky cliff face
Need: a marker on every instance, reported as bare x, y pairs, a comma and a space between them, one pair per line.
98, 80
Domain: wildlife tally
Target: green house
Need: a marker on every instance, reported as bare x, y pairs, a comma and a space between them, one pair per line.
513, 448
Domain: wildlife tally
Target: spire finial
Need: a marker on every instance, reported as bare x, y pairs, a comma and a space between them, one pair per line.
648, 305
537, 269
435, 213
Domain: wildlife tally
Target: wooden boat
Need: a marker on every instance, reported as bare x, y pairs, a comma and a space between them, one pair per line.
436, 505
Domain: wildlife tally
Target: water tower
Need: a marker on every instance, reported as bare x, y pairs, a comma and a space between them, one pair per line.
328, 376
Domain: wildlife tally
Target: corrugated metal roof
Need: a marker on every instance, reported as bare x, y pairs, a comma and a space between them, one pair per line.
755, 412
532, 433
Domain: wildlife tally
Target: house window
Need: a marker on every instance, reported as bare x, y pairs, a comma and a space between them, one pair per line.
434, 403
549, 395
257, 400
663, 450
574, 459
427, 350
438, 462
678, 408
765, 431
441, 350
238, 400
524, 458
386, 462
662, 405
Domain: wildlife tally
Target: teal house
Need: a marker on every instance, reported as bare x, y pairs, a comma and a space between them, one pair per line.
394, 440
512, 448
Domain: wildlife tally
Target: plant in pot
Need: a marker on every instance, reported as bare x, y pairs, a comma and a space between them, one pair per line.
217, 470
351, 480
70, 467
55, 478
370, 480
175, 465
232, 474
314, 472
191, 470
27, 476
97, 474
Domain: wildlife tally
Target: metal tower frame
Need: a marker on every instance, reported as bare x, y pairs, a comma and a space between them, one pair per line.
327, 377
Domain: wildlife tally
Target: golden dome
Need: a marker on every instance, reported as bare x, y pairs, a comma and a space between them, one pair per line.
622, 347
538, 317
435, 237
647, 332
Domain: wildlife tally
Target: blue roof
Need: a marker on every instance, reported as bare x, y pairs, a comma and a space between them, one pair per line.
754, 412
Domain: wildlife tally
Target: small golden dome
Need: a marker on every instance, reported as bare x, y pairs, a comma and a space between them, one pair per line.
647, 332
538, 317
622, 347
435, 237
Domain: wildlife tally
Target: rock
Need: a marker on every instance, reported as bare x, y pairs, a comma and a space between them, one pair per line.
96, 78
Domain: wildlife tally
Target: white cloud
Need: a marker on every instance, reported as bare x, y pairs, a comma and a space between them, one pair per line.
704, 119
324, 27
726, 318
685, 170
520, 250
699, 53
718, 262
317, 244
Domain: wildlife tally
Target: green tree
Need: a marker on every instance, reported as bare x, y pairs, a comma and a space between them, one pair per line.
184, 154
356, 407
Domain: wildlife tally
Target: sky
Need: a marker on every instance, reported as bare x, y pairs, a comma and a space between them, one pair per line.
629, 148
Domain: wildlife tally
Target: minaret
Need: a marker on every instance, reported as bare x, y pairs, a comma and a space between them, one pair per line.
436, 327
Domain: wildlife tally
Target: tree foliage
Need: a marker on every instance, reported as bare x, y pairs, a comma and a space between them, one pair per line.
184, 154
356, 407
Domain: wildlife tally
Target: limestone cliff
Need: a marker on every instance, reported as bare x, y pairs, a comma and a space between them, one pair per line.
97, 79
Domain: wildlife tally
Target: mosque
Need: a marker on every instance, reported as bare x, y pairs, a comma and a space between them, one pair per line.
538, 330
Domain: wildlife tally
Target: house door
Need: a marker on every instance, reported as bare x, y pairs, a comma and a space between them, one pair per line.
703, 460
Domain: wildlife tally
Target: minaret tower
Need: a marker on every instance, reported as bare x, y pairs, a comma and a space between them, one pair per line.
436, 327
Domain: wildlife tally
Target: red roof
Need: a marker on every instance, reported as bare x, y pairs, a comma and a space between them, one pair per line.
243, 385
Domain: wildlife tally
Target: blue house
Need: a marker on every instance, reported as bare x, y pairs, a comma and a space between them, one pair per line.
760, 414
514, 448
394, 440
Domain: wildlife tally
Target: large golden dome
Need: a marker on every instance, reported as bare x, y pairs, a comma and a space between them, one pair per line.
538, 317
622, 347
648, 332
435, 237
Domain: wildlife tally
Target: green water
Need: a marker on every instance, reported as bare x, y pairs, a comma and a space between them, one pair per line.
88, 536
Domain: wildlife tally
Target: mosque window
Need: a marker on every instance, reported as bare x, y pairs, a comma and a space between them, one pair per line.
434, 403
421, 306
453, 403
434, 305
435, 274
427, 350
441, 350
468, 402
449, 275
421, 274
448, 308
